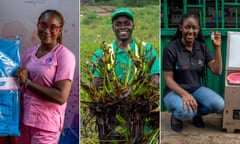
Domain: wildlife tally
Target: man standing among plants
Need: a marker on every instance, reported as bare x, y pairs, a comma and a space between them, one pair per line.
135, 72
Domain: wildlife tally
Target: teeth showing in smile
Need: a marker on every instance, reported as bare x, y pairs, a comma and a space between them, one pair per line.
123, 32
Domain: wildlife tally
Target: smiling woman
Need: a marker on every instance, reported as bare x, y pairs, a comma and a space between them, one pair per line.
46, 73
22, 23
185, 60
49, 26
190, 30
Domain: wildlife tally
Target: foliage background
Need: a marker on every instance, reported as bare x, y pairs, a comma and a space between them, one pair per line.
94, 29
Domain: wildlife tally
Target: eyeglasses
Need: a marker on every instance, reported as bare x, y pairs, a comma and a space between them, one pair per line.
51, 28
124, 24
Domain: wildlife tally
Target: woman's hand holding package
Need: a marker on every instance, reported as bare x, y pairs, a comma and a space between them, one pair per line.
22, 75
216, 39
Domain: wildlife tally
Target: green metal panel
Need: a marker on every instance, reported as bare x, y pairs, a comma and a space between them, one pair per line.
214, 82
165, 14
216, 13
235, 5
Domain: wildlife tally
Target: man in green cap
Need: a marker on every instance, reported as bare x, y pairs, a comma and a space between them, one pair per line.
123, 26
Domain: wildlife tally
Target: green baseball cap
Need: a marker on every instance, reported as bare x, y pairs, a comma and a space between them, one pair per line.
122, 12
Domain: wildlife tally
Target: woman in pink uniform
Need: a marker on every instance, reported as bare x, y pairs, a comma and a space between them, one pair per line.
46, 75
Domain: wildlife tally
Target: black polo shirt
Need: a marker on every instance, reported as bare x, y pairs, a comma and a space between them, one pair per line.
187, 66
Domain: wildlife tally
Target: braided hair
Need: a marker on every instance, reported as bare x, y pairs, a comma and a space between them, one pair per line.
200, 38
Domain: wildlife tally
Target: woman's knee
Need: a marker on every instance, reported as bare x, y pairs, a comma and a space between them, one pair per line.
218, 106
208, 99
172, 101
215, 106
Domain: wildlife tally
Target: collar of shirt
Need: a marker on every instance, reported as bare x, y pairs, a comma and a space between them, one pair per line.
119, 50
196, 46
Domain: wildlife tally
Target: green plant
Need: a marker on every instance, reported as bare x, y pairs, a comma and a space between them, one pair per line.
96, 30
123, 107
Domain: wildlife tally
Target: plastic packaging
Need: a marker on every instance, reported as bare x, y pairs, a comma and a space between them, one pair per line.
9, 94
212, 35
234, 78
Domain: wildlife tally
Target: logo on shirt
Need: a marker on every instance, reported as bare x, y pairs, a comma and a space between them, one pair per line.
200, 62
182, 67
49, 61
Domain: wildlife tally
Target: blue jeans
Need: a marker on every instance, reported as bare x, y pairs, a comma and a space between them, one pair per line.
208, 102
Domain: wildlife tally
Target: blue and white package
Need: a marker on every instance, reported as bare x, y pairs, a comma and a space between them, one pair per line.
9, 94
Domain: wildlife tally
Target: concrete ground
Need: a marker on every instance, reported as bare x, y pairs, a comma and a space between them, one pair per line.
211, 134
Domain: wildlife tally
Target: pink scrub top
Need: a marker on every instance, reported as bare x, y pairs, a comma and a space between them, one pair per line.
58, 64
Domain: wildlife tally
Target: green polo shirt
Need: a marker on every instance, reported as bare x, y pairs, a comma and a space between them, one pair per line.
123, 60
